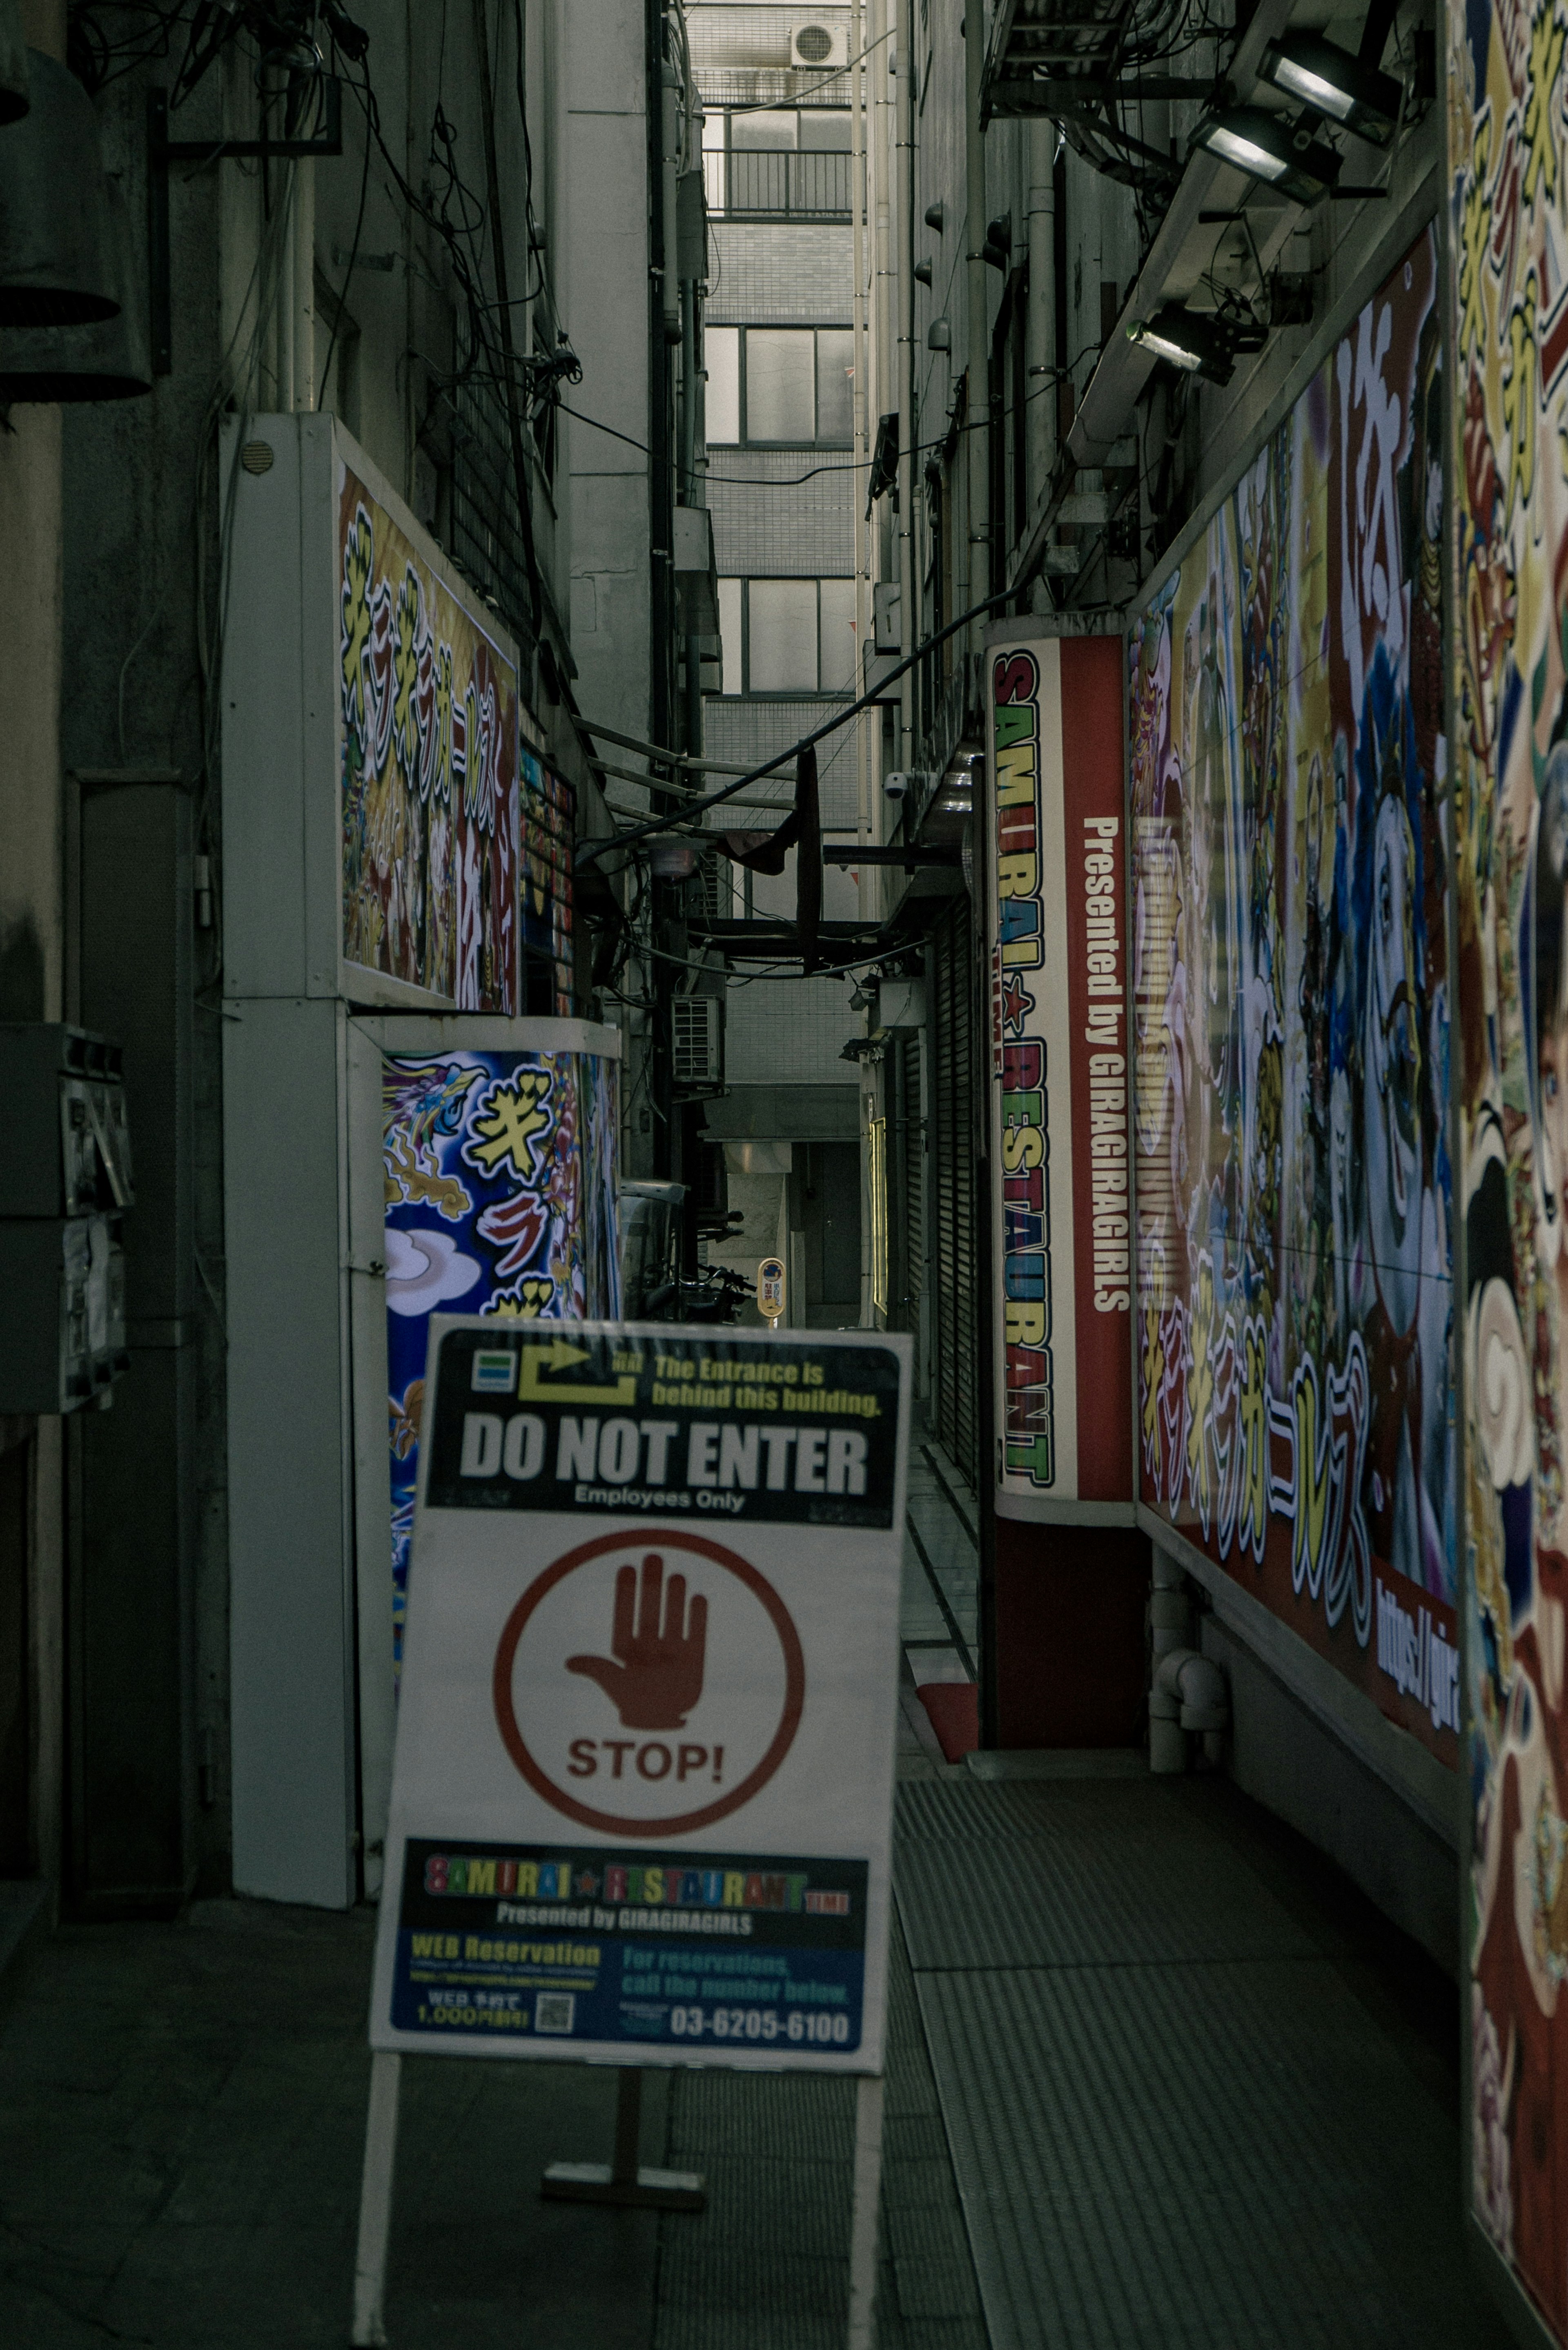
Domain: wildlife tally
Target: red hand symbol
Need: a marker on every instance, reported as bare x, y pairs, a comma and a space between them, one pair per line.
658, 1678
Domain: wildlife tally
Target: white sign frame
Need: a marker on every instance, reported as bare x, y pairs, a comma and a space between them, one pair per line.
825, 1800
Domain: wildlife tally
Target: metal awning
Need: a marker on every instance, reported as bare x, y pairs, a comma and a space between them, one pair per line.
1060, 59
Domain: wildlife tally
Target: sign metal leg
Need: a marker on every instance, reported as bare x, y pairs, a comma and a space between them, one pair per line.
376, 2202
862, 2334
625, 2182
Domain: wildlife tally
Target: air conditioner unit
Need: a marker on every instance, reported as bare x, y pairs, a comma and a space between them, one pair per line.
819, 48
698, 1042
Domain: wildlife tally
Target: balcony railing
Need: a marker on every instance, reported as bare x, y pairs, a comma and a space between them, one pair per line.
776, 184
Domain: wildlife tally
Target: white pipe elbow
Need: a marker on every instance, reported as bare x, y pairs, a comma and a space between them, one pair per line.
1189, 1694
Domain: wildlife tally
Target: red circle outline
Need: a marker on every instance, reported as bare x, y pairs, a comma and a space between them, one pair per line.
783, 1736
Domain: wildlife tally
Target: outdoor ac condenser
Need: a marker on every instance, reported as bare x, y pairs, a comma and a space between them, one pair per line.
821, 46
698, 1022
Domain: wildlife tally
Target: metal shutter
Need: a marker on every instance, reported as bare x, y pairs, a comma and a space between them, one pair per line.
953, 1144
912, 1189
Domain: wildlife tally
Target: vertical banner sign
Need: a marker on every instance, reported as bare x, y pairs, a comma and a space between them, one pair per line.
643, 1784
500, 1175
1056, 892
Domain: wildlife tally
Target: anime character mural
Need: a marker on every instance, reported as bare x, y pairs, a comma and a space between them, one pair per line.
501, 1171
1291, 1003
1508, 158
428, 733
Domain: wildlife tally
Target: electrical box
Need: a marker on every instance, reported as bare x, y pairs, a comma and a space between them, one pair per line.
67, 1143
696, 574
698, 1022
64, 1178
888, 617
62, 1338
901, 1003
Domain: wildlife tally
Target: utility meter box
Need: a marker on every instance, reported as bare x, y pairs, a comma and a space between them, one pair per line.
62, 1337
65, 1176
68, 1143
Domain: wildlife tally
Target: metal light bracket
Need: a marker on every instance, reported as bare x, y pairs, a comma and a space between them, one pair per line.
162, 151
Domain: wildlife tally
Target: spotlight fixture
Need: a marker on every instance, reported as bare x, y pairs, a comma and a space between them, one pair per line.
1332, 82
1194, 344
1269, 148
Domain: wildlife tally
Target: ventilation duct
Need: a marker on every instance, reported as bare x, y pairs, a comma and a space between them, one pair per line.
57, 243
13, 65
111, 358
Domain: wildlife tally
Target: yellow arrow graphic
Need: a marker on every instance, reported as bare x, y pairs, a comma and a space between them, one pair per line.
559, 1356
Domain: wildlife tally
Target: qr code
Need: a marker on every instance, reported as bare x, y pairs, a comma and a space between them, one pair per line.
554, 2010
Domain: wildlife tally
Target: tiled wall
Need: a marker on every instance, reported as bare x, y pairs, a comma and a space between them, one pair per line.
799, 530
789, 1032
788, 272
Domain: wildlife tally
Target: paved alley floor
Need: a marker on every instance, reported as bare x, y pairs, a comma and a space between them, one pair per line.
1158, 2079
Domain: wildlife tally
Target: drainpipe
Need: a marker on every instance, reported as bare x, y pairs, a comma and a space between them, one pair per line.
670, 80
978, 415
691, 393
1188, 1694
903, 264
303, 228
1040, 333
869, 877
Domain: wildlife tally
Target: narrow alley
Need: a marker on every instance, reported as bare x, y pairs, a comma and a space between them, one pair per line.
1125, 2012
784, 1307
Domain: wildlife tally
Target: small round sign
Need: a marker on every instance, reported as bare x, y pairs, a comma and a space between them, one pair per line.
649, 1683
771, 1288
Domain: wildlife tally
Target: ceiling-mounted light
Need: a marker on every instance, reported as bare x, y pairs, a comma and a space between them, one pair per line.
12, 64
998, 247
107, 358
56, 244
1192, 344
1268, 147
1329, 79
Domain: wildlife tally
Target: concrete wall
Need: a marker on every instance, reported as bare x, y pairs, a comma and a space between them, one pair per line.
131, 685
32, 953
606, 271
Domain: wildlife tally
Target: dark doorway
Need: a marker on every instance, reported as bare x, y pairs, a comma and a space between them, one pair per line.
15, 1725
832, 1226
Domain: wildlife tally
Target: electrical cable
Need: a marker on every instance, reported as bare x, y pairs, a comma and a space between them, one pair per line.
783, 106
353, 258
852, 465
591, 851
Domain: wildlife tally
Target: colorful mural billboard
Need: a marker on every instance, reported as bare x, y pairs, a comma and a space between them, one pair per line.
1508, 157
1055, 885
500, 1170
428, 737
1289, 777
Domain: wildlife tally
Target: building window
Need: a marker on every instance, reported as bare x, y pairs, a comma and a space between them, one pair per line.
788, 636
780, 387
776, 161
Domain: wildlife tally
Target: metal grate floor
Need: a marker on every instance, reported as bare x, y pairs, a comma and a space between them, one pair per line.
1185, 2107
766, 2266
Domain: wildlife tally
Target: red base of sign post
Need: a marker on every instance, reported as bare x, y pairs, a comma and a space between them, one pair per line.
625, 2182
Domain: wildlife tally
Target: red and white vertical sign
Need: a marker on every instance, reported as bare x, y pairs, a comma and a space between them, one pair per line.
1055, 892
